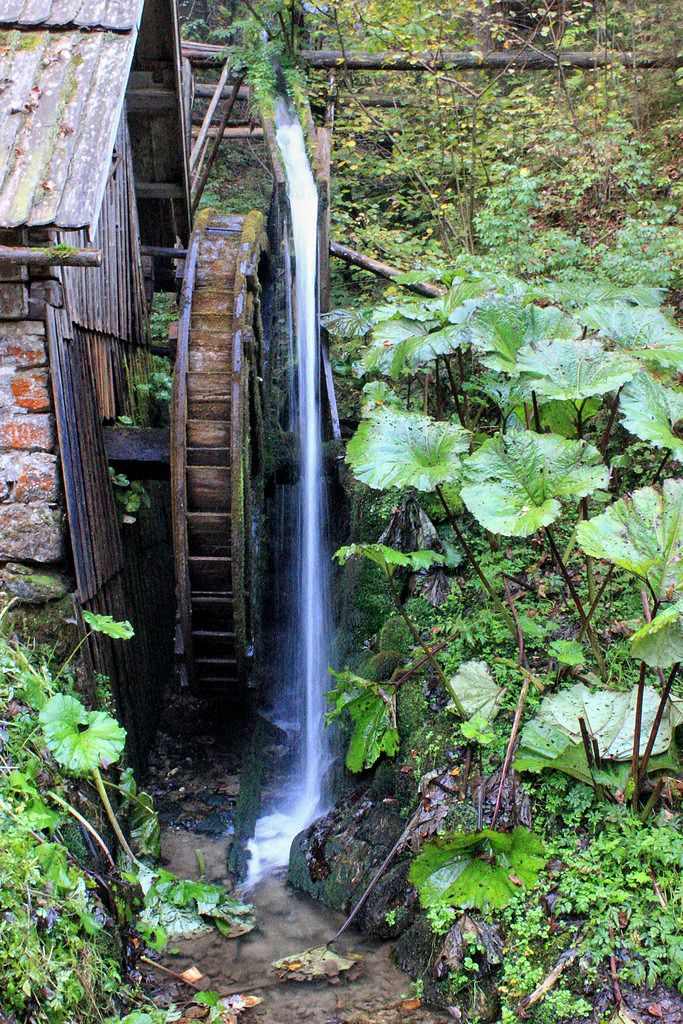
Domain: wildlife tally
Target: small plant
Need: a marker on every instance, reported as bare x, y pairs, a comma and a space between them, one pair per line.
130, 496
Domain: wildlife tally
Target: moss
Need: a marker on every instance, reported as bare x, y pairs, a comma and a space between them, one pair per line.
383, 665
395, 636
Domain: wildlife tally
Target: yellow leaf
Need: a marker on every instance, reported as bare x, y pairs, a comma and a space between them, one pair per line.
192, 975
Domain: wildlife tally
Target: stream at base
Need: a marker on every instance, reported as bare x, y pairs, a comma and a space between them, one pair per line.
198, 774
287, 922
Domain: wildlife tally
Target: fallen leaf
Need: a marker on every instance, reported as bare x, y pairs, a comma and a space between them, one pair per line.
316, 963
411, 1004
655, 1010
192, 975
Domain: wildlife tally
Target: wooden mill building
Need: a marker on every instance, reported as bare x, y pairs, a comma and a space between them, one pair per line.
94, 122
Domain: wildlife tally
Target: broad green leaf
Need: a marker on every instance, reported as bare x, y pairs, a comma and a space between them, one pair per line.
646, 333
403, 449
651, 412
476, 689
500, 330
109, 626
514, 483
643, 534
378, 394
660, 643
348, 323
391, 343
481, 869
552, 739
589, 293
314, 964
373, 719
145, 830
79, 739
388, 559
179, 908
567, 652
572, 370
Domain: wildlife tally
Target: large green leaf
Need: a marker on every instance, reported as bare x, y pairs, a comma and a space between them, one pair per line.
348, 323
177, 908
651, 412
660, 643
388, 559
476, 689
403, 449
589, 293
79, 739
500, 330
642, 533
552, 739
372, 714
514, 483
392, 341
572, 370
108, 625
646, 333
481, 869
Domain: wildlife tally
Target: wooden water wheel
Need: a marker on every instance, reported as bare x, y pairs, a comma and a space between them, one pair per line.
215, 447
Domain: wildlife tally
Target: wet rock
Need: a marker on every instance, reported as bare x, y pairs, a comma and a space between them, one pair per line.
337, 856
392, 905
33, 586
471, 937
658, 1004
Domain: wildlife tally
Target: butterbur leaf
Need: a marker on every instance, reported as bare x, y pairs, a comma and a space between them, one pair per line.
373, 719
660, 643
79, 739
401, 449
377, 394
573, 370
476, 689
145, 830
514, 482
651, 411
500, 330
480, 869
589, 293
552, 739
109, 626
567, 652
178, 908
389, 559
393, 344
642, 533
315, 964
347, 323
646, 333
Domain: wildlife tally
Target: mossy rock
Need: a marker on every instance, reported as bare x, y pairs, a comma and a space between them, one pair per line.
396, 636
364, 602
382, 665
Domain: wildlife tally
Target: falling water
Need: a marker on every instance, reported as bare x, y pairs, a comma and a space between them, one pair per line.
303, 693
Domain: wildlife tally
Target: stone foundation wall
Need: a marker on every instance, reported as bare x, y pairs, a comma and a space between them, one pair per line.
33, 542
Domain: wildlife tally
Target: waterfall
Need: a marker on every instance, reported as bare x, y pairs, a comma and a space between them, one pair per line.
304, 665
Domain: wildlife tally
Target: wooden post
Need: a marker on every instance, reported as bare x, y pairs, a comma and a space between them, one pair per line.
200, 183
198, 147
50, 256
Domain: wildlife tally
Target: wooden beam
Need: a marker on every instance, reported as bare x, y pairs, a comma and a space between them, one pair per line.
236, 134
199, 144
163, 251
207, 54
357, 259
159, 190
50, 256
151, 100
201, 177
205, 90
148, 445
495, 60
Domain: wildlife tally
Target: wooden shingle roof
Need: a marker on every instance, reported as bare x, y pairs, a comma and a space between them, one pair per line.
116, 15
62, 91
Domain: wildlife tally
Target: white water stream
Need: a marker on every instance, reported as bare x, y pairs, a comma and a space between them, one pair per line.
303, 691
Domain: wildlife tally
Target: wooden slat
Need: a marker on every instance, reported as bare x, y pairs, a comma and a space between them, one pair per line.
208, 488
210, 573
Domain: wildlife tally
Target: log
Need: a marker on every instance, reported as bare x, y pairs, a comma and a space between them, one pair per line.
163, 251
206, 54
50, 256
205, 90
494, 60
232, 134
357, 259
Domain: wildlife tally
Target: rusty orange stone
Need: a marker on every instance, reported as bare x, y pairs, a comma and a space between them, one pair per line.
30, 390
